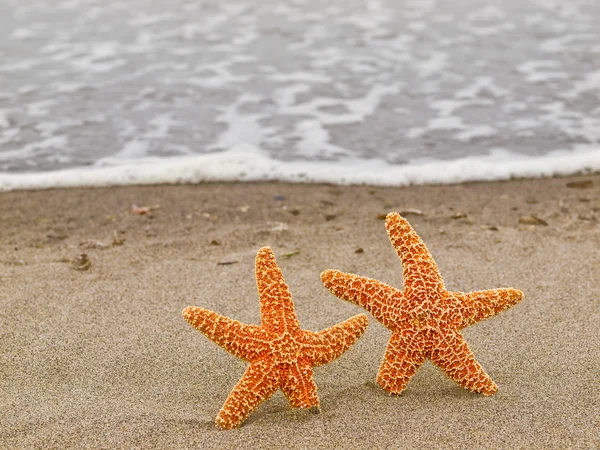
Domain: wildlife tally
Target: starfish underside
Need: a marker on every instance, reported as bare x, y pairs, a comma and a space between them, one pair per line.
425, 318
281, 355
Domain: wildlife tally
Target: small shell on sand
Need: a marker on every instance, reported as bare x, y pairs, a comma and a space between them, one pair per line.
81, 263
532, 220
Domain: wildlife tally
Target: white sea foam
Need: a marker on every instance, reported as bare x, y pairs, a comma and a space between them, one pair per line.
590, 82
476, 132
481, 86
541, 71
247, 163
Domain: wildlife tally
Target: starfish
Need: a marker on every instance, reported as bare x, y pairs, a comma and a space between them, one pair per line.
281, 355
425, 318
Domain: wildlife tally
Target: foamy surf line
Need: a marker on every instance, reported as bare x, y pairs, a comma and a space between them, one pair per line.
243, 166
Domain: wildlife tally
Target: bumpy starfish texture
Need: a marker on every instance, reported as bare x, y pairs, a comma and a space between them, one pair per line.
425, 318
281, 355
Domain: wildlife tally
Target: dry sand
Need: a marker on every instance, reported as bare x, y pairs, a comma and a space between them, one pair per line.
103, 358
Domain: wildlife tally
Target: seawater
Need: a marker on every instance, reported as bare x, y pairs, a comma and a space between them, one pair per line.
353, 91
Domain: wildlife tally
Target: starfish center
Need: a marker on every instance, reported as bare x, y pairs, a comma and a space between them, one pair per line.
286, 348
423, 319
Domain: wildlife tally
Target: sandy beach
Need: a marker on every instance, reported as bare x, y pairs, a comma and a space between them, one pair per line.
94, 352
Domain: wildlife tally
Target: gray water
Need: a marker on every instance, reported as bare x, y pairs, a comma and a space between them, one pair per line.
92, 82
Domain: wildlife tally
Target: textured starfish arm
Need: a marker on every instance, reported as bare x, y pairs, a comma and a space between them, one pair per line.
242, 340
329, 344
458, 363
420, 271
276, 305
376, 297
299, 386
479, 305
398, 366
258, 383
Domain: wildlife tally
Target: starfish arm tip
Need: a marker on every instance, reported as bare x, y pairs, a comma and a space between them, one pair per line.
331, 343
191, 312
417, 262
512, 295
265, 251
376, 297
491, 390
393, 219
327, 276
480, 305
223, 425
276, 305
358, 325
256, 385
265, 258
299, 387
362, 321
241, 340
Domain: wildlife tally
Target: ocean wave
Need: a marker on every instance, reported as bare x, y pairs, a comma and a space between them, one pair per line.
247, 163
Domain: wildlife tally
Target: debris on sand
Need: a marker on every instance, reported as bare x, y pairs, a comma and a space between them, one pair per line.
359, 250
93, 244
279, 226
289, 255
14, 261
117, 240
55, 236
532, 220
226, 263
588, 217
81, 263
411, 212
143, 210
584, 184
458, 215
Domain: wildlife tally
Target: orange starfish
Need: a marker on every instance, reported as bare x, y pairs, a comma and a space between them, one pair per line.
281, 355
425, 318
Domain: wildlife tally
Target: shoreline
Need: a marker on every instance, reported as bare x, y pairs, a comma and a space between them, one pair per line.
250, 165
102, 357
